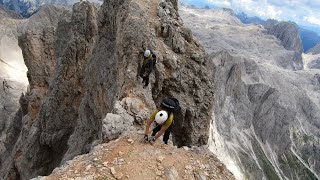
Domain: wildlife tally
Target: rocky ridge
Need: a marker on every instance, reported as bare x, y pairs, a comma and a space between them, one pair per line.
311, 61
4, 12
308, 37
128, 158
312, 58
314, 50
71, 108
288, 33
29, 7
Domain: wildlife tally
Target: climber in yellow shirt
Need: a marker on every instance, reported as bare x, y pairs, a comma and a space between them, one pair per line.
163, 118
163, 122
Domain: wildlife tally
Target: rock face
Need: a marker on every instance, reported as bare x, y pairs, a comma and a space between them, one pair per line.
88, 89
15, 102
315, 64
4, 12
239, 40
288, 33
61, 86
315, 50
12, 85
309, 39
266, 116
245, 19
291, 36
28, 7
312, 59
13, 75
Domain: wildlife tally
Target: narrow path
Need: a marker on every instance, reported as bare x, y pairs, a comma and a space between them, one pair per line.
128, 158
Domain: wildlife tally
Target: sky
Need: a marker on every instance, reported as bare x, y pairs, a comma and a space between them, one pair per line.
303, 12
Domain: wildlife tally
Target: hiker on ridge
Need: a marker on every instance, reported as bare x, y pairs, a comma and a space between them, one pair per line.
163, 117
149, 62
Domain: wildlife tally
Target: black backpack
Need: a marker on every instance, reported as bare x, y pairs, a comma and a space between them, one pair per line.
170, 104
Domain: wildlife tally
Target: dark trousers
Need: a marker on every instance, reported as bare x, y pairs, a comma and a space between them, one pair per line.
166, 134
144, 73
146, 70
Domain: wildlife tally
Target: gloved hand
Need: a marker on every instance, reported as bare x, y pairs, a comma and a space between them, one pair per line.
146, 138
152, 140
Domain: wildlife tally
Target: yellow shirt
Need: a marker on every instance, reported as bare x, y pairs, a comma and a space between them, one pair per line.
167, 123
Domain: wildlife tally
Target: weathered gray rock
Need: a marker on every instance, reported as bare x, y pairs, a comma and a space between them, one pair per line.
29, 7
173, 37
288, 33
314, 50
315, 64
6, 13
265, 116
48, 15
10, 117
135, 108
13, 75
39, 57
267, 108
39, 136
116, 124
94, 92
199, 175
172, 173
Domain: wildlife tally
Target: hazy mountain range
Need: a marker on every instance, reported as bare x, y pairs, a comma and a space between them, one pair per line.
309, 37
28, 7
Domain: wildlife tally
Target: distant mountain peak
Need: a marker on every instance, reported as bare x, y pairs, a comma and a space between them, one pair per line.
315, 49
28, 7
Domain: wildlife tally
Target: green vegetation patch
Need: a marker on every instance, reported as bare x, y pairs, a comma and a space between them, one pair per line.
293, 168
264, 162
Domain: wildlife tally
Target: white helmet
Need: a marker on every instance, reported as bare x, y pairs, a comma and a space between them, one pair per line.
161, 117
147, 53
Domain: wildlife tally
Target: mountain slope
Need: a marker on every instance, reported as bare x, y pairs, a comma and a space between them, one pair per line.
28, 7
4, 12
309, 38
312, 59
315, 50
211, 30
265, 119
288, 34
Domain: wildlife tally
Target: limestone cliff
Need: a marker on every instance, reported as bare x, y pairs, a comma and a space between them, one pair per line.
288, 34
314, 50
4, 12
15, 102
266, 115
28, 8
89, 69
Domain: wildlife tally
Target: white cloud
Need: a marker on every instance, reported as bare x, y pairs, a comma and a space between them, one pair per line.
312, 20
300, 11
220, 2
273, 12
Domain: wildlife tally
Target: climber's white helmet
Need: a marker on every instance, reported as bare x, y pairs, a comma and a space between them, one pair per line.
161, 117
147, 53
